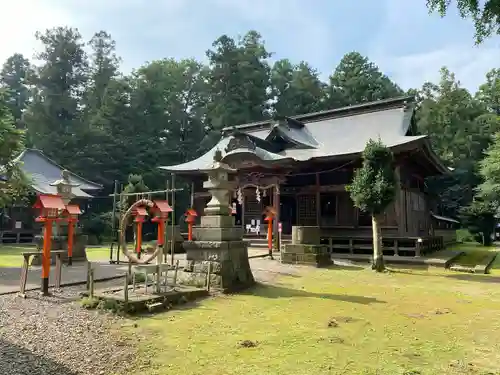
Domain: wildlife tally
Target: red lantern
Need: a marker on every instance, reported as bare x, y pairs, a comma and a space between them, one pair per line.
190, 219
270, 213
140, 214
51, 206
161, 209
72, 211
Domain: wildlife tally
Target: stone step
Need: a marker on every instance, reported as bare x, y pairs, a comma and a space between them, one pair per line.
157, 306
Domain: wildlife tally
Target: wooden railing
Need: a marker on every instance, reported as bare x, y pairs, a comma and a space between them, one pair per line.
403, 246
17, 237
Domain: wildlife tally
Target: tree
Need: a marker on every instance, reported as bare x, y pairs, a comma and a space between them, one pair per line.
103, 68
372, 189
460, 128
489, 170
54, 120
296, 89
489, 92
485, 14
356, 80
16, 78
479, 219
13, 184
239, 80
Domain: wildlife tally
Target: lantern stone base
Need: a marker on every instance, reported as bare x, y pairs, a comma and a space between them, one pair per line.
61, 243
229, 266
219, 244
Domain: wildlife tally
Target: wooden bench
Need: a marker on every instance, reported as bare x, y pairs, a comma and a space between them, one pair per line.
26, 263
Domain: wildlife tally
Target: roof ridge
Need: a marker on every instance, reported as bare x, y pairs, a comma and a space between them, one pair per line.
383, 103
57, 165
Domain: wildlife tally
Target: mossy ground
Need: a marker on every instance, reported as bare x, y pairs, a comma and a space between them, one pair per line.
334, 321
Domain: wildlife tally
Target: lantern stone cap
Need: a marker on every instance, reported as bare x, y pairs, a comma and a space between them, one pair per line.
162, 206
49, 201
64, 180
218, 164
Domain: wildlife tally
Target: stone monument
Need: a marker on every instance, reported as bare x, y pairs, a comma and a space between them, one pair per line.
60, 231
219, 243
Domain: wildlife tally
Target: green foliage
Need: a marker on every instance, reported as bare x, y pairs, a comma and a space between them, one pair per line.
460, 128
13, 184
374, 184
357, 80
96, 224
489, 170
479, 219
89, 303
484, 14
297, 88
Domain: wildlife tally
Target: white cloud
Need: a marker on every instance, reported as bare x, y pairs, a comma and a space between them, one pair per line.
21, 19
412, 46
469, 64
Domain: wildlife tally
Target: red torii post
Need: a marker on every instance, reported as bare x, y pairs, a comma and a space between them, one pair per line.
270, 213
51, 207
140, 214
161, 209
190, 219
72, 211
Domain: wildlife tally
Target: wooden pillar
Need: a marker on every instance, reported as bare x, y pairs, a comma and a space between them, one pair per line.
398, 203
318, 203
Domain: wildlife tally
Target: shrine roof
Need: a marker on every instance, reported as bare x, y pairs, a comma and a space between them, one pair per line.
42, 171
320, 135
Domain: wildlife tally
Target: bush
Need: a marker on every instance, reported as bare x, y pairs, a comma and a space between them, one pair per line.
463, 235
97, 225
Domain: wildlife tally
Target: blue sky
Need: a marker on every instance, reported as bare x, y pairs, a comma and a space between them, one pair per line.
400, 36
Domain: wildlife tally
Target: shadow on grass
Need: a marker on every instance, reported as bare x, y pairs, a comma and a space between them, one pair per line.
276, 291
481, 278
18, 360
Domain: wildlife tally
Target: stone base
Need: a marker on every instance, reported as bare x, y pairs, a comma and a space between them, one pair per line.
313, 255
229, 265
61, 243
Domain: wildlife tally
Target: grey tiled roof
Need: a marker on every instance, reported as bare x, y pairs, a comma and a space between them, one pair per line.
340, 132
43, 171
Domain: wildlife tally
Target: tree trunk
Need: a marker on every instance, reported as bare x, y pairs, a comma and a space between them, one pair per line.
378, 256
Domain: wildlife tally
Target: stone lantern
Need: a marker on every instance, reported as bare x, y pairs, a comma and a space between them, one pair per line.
219, 244
64, 190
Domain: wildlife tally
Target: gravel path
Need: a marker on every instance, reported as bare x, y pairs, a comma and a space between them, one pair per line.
54, 335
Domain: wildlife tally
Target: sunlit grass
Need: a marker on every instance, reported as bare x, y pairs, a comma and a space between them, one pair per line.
403, 322
475, 253
11, 256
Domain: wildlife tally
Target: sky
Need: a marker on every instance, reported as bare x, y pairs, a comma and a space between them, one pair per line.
407, 43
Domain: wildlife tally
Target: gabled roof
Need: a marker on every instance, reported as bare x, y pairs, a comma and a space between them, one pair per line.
324, 135
42, 171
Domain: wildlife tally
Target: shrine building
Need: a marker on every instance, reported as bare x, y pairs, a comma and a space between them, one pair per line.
302, 164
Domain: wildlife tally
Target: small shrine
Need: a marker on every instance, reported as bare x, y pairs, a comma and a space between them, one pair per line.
66, 226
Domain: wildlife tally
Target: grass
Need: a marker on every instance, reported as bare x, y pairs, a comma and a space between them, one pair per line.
475, 254
10, 256
333, 322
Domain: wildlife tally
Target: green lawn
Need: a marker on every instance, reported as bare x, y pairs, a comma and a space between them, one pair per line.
475, 253
10, 256
404, 322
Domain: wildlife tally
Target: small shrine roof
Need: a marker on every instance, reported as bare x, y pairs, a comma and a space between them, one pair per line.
163, 206
73, 209
44, 172
49, 201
